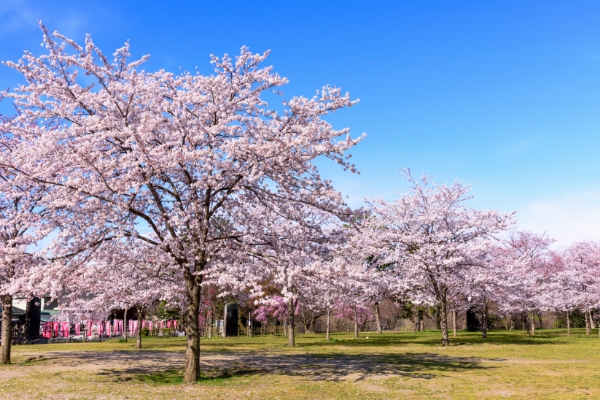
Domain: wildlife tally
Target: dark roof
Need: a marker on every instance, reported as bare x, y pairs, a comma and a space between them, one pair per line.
16, 311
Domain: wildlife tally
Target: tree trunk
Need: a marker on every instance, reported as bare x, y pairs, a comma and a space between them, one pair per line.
6, 328
444, 319
437, 318
355, 323
124, 325
592, 325
328, 324
539, 314
377, 318
285, 333
532, 330
421, 322
484, 320
568, 323
587, 323
138, 344
192, 329
249, 323
454, 322
291, 325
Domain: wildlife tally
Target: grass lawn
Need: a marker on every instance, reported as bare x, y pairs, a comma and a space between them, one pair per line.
388, 366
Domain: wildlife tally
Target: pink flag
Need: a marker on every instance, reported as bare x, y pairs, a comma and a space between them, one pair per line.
65, 329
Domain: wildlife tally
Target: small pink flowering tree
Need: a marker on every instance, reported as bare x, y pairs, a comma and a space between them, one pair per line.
428, 237
528, 266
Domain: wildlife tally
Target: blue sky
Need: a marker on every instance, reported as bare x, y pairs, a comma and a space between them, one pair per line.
502, 95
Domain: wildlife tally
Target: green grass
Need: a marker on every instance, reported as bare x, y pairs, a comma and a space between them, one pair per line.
392, 365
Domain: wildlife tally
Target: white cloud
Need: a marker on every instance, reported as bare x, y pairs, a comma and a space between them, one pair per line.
567, 218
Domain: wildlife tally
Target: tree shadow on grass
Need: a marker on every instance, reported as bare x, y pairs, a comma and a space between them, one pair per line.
337, 367
323, 367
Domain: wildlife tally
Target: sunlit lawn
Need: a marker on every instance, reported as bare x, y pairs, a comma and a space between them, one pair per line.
393, 365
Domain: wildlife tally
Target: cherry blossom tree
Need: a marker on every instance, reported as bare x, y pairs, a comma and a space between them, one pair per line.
429, 237
575, 282
527, 267
123, 274
183, 162
21, 227
286, 263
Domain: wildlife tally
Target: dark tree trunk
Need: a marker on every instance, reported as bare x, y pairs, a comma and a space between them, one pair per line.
6, 328
437, 318
124, 325
138, 344
443, 307
484, 320
192, 329
327, 336
539, 315
291, 325
568, 323
355, 322
377, 318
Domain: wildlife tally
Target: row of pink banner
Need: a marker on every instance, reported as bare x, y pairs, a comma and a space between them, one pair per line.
56, 329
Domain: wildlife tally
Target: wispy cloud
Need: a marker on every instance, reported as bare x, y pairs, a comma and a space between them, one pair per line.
16, 16
567, 218
21, 16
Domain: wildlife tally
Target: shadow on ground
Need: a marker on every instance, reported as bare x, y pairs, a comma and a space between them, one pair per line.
165, 367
